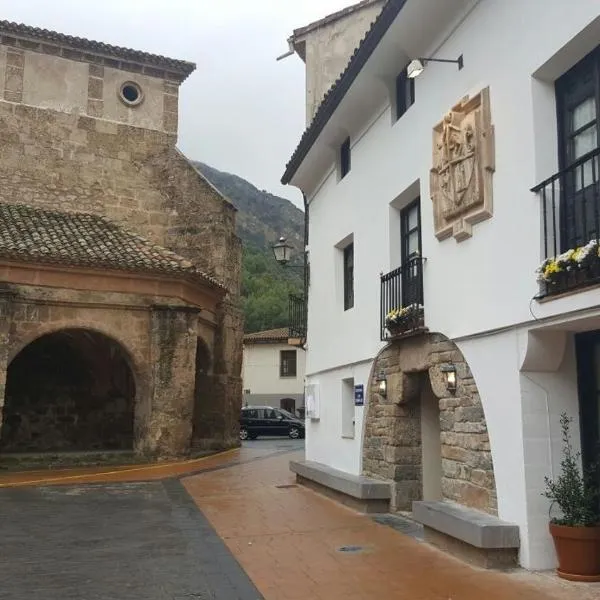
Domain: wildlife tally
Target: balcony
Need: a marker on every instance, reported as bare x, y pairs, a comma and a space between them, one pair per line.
402, 312
297, 320
570, 227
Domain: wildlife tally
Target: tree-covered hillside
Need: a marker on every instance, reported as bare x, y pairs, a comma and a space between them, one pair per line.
261, 219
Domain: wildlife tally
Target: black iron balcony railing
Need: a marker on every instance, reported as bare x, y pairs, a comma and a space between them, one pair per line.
571, 226
402, 300
297, 315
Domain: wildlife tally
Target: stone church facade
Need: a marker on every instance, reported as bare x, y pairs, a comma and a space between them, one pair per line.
119, 264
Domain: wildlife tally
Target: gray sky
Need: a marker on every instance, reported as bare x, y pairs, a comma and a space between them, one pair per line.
240, 111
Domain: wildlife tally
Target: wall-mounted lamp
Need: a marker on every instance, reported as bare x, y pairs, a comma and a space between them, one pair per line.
282, 251
417, 66
450, 373
382, 384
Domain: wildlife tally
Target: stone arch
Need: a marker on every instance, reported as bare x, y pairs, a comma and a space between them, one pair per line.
69, 389
394, 431
206, 409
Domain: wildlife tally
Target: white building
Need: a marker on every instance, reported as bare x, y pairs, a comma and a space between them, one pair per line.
393, 184
273, 371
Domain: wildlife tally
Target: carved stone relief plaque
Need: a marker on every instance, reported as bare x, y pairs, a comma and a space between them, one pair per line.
463, 165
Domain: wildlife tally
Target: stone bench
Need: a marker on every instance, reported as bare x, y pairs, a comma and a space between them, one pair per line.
359, 492
480, 538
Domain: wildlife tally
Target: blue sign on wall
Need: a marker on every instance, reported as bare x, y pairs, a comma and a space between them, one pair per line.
359, 395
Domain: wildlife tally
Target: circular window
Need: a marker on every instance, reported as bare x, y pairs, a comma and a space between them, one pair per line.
131, 93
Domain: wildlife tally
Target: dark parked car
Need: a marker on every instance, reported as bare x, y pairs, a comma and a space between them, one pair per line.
264, 420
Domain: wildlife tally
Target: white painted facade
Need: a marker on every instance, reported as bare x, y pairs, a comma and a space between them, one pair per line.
263, 383
478, 292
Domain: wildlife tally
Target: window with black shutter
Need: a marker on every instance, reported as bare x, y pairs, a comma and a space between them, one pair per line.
578, 107
345, 158
349, 276
405, 93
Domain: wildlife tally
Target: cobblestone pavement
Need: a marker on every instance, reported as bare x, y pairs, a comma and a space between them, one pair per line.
288, 539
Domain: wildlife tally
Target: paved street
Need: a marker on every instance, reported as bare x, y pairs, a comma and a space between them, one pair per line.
234, 527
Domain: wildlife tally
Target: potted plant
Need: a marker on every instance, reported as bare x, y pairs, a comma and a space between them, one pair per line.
576, 533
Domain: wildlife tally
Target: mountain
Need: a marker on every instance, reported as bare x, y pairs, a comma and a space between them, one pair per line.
262, 219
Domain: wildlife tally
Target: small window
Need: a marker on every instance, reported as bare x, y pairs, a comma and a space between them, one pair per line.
131, 93
349, 276
287, 363
251, 413
345, 158
405, 93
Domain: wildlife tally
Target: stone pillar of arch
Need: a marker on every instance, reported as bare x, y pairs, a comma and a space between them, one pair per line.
394, 435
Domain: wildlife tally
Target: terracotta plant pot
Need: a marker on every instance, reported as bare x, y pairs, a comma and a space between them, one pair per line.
578, 552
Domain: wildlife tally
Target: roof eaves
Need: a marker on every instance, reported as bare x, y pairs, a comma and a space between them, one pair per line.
170, 65
341, 86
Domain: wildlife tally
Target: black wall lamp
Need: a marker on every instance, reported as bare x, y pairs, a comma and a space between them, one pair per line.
417, 66
450, 373
382, 384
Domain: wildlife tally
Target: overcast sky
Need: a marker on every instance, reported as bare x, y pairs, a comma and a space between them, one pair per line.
241, 111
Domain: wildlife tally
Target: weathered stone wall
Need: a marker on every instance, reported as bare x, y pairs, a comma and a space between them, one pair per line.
136, 177
392, 446
173, 338
160, 345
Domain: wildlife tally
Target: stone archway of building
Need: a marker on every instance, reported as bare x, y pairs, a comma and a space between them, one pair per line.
69, 390
432, 443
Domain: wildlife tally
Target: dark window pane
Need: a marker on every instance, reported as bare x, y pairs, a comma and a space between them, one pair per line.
405, 93
349, 277
345, 158
287, 363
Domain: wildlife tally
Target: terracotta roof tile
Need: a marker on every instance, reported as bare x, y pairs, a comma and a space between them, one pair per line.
270, 335
40, 235
181, 67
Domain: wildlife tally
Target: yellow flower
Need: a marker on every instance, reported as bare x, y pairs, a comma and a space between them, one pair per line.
551, 268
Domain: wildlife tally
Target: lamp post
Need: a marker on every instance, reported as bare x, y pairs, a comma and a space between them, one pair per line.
283, 253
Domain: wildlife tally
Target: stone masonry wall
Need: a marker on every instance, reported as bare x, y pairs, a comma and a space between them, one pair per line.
136, 177
392, 446
160, 346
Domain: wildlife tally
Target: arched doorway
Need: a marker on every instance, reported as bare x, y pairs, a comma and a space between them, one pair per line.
71, 390
206, 411
429, 439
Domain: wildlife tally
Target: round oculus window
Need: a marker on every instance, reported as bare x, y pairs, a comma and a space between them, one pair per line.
131, 93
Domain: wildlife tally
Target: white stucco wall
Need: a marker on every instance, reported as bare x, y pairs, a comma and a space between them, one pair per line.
261, 370
480, 291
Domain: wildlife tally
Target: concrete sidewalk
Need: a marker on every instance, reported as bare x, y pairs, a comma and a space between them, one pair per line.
288, 540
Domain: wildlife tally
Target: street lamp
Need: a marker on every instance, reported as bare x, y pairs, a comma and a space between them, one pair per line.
282, 251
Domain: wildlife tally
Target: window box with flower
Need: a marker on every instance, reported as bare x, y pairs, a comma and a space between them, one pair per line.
577, 267
404, 319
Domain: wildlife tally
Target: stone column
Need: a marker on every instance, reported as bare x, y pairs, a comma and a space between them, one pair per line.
173, 356
6, 311
218, 416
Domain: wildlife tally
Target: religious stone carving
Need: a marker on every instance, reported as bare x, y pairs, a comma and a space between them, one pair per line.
463, 165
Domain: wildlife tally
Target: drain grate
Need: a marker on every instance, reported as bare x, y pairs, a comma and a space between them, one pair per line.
285, 486
350, 549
